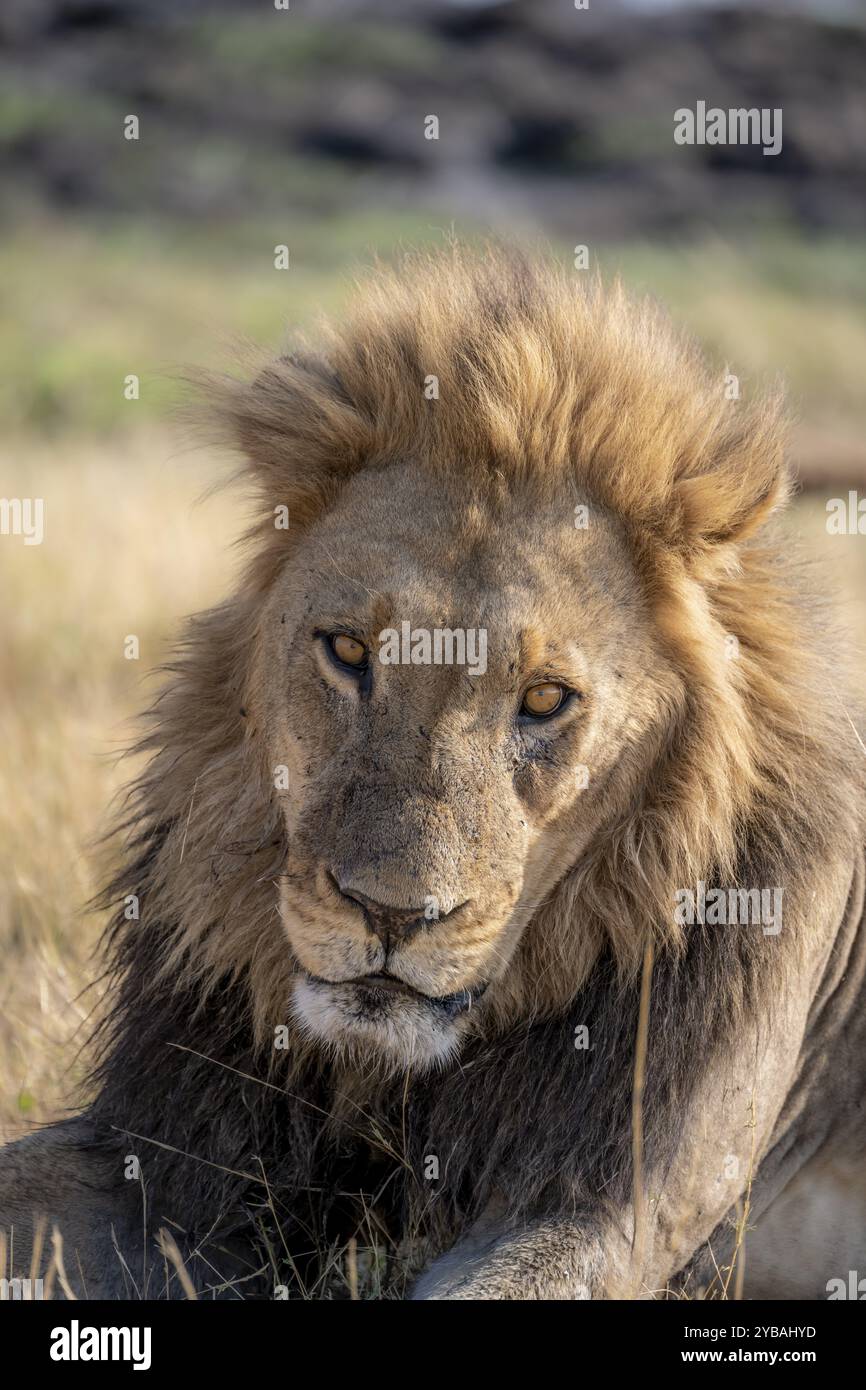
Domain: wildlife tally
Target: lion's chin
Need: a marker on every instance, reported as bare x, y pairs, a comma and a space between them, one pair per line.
398, 1028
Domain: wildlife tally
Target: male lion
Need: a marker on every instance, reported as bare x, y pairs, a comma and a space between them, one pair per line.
544, 969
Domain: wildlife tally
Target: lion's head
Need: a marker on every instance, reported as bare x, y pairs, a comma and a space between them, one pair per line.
495, 624
509, 666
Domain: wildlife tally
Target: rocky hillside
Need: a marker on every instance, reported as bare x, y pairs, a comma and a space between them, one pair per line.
547, 115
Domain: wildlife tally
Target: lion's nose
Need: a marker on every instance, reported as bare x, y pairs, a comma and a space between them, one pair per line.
392, 924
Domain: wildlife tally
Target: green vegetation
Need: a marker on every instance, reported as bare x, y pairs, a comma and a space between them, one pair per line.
85, 306
245, 46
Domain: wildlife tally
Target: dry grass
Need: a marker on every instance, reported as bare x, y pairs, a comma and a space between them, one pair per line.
126, 551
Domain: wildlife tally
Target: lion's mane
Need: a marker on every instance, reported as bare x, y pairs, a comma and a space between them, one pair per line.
572, 390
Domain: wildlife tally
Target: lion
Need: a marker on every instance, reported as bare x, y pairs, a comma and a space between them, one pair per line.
494, 893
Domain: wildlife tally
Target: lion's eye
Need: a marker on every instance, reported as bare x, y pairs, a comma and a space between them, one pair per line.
543, 699
348, 650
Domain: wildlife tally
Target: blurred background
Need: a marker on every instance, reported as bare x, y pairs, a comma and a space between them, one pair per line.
305, 127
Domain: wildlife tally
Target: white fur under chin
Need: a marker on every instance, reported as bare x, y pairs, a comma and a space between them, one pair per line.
403, 1032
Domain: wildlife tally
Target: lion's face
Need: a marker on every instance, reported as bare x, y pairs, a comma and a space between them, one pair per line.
431, 806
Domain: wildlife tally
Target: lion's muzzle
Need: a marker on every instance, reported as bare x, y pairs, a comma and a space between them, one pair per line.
392, 925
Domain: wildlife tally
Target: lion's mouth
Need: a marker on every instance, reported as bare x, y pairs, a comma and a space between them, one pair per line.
383, 984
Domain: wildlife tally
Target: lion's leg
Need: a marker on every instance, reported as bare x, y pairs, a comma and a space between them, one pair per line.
554, 1259
813, 1234
60, 1180
732, 1147
70, 1180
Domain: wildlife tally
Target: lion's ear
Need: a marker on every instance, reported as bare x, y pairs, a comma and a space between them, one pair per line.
297, 428
297, 403
731, 501
717, 509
